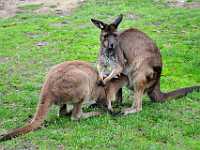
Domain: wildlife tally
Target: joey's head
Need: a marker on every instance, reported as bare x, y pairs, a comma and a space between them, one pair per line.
104, 91
108, 36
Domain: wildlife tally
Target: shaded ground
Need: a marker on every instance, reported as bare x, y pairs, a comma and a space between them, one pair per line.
9, 8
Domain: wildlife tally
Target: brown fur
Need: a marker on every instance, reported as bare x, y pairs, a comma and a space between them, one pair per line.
72, 82
137, 56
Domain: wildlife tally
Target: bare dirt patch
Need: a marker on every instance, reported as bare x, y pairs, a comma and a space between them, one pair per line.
132, 16
9, 8
3, 59
183, 4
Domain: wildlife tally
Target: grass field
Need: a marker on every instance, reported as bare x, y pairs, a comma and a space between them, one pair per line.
30, 44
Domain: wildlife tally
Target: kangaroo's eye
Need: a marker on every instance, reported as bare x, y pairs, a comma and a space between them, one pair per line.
105, 36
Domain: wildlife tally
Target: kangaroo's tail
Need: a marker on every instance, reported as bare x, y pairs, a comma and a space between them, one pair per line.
42, 110
157, 95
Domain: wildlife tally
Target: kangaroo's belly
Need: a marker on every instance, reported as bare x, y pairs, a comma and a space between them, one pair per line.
142, 68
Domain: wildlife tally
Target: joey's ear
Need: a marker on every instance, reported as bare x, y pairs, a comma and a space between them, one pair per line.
117, 21
98, 24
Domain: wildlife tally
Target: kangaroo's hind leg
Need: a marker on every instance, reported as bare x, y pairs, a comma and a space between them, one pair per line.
78, 114
139, 88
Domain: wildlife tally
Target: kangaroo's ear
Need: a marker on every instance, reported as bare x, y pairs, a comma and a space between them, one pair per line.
117, 20
98, 24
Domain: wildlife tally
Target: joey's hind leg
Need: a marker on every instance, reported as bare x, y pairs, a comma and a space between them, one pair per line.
63, 110
138, 93
78, 114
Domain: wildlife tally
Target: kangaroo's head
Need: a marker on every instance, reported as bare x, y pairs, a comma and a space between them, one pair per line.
108, 36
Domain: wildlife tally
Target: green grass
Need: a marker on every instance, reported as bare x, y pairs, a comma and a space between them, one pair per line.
172, 125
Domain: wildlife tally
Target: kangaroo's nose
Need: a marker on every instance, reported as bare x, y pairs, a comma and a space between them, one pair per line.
110, 46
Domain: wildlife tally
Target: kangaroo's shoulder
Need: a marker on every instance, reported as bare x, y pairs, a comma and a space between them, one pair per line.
133, 32
76, 64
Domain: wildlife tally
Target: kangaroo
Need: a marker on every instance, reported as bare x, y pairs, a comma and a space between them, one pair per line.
71, 82
134, 54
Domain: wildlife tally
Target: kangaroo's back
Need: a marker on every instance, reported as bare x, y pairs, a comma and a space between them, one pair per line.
137, 47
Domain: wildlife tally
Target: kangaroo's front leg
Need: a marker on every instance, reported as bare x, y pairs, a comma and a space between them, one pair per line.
101, 71
116, 71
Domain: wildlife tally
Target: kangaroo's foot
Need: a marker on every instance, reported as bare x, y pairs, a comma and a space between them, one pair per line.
85, 115
130, 110
90, 114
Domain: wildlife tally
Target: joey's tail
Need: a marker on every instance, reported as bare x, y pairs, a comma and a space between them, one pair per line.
156, 95
42, 110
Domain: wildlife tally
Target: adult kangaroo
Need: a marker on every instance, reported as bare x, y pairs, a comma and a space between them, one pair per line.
134, 54
73, 82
